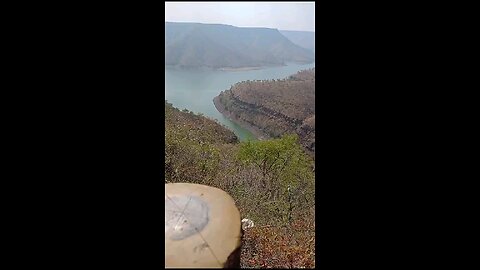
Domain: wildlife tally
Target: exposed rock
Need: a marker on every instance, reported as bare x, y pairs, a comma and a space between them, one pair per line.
270, 109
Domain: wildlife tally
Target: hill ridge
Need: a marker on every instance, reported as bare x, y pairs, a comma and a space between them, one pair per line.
272, 108
216, 46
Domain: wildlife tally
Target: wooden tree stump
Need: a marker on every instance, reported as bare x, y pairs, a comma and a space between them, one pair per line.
202, 227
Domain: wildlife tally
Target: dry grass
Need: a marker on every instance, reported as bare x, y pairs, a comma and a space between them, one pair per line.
281, 237
279, 247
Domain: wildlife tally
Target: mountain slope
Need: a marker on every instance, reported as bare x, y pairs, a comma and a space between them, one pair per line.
271, 182
274, 108
303, 39
195, 45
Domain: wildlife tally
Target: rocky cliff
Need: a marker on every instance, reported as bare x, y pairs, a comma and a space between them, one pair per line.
270, 109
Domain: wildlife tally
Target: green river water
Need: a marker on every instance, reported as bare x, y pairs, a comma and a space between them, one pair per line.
195, 89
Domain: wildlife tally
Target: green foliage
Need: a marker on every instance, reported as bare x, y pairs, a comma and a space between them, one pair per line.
188, 160
190, 152
280, 160
287, 178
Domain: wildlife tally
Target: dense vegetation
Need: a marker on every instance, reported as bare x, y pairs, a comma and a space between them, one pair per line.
301, 38
274, 107
195, 45
271, 181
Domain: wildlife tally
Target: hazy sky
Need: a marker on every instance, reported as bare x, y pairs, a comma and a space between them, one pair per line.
298, 16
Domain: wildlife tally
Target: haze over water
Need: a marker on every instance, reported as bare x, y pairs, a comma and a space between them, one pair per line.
195, 89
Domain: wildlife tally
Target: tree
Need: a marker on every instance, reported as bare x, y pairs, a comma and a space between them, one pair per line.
287, 177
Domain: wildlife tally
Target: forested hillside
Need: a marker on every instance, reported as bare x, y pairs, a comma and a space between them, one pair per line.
272, 108
196, 45
303, 39
271, 181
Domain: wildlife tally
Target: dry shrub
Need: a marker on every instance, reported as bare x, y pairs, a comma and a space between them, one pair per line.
271, 182
290, 246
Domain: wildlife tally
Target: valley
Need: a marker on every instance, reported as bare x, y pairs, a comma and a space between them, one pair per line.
195, 89
240, 117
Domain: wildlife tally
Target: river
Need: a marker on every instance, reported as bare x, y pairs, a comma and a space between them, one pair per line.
194, 90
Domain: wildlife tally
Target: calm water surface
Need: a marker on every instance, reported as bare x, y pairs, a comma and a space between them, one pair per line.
195, 89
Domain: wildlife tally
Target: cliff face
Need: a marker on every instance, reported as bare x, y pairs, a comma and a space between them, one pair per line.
273, 108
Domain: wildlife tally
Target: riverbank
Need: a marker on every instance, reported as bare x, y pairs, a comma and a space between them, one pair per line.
227, 69
240, 68
195, 89
259, 134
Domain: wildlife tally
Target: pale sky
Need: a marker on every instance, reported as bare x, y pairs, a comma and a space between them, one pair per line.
299, 16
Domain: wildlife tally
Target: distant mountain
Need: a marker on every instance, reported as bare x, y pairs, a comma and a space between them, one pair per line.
303, 39
195, 45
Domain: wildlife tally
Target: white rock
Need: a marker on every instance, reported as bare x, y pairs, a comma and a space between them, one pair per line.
247, 223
